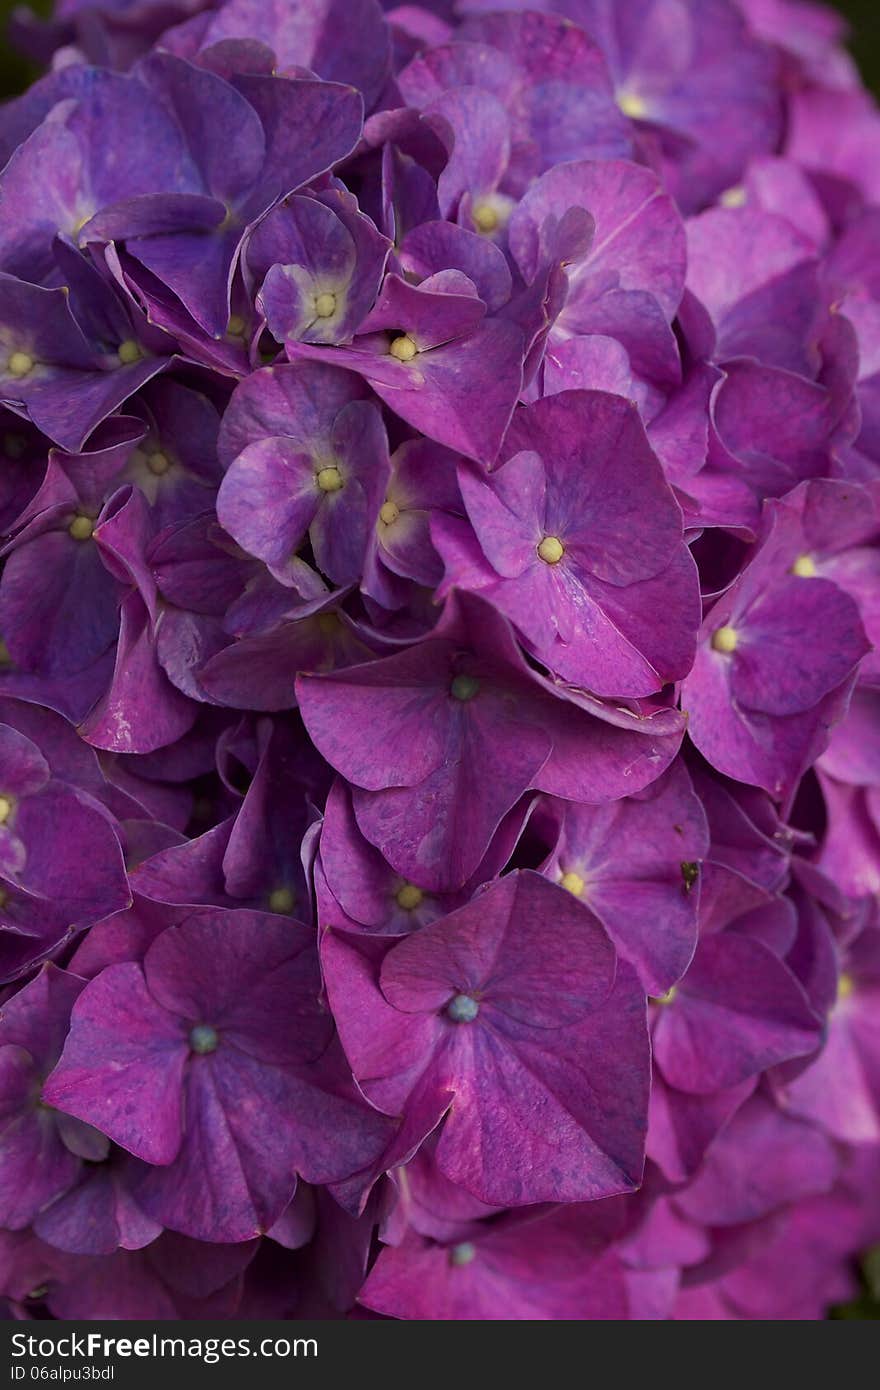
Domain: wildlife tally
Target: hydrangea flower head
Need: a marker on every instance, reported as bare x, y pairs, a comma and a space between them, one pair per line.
439, 676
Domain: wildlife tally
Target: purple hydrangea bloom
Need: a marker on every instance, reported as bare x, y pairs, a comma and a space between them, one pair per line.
757, 279
550, 545
472, 728
456, 1016
839, 1091
628, 284
635, 864
319, 263
563, 1266
253, 857
198, 1054
358, 890
61, 865
331, 471
737, 1011
431, 354
51, 374
439, 688
747, 714
692, 77
550, 100
345, 43
40, 1149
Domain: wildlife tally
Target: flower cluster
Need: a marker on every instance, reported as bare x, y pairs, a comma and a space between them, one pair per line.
439, 706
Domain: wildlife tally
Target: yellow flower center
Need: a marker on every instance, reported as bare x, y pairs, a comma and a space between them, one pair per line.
20, 364
463, 1254
129, 352
845, 987
666, 998
281, 900
725, 639
735, 197
158, 463
325, 305
804, 567
403, 348
486, 218
409, 897
5, 809
464, 687
632, 105
203, 1039
81, 528
329, 479
551, 550
388, 513
573, 883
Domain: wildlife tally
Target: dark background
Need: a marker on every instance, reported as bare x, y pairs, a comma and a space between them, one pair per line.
863, 15
864, 20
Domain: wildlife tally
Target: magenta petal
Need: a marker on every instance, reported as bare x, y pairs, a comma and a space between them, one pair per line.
141, 711
737, 1011
515, 1054
587, 1143
122, 1066
461, 394
631, 857
265, 473
492, 948
550, 1270
763, 1159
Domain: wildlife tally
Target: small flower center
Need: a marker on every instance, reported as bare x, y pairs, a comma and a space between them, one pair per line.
282, 900
735, 197
632, 105
573, 883
403, 348
551, 550
464, 687
804, 567
158, 463
725, 639
20, 364
388, 513
5, 809
666, 998
462, 1009
486, 218
129, 352
325, 305
81, 528
462, 1254
236, 326
329, 479
845, 987
203, 1039
409, 897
